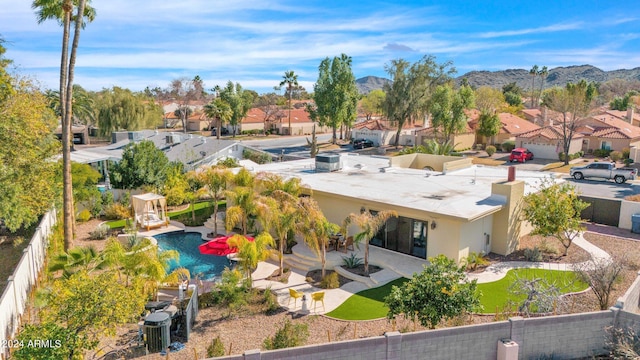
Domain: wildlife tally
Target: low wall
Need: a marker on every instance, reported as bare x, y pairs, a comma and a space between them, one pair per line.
565, 337
630, 301
15, 296
628, 208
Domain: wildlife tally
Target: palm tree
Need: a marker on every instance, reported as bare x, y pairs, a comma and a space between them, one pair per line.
316, 229
543, 75
214, 180
250, 253
83, 105
243, 197
76, 259
290, 79
533, 72
369, 226
62, 10
219, 110
287, 217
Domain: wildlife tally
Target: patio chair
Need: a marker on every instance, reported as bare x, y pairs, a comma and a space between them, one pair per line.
346, 244
317, 297
295, 295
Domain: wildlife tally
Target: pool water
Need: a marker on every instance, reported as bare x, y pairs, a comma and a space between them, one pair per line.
205, 267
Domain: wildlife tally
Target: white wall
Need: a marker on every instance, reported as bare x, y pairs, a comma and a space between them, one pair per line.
472, 236
628, 208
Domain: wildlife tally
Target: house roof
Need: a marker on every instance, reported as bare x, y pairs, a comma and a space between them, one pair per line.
254, 116
511, 124
610, 133
464, 194
548, 132
623, 115
373, 124
606, 120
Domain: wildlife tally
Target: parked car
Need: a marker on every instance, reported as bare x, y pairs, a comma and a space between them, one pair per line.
362, 143
604, 170
223, 131
521, 155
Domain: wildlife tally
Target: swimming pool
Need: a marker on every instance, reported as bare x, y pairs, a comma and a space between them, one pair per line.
206, 267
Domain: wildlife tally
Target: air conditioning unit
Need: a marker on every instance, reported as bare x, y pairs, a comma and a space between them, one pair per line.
173, 139
327, 163
157, 327
135, 136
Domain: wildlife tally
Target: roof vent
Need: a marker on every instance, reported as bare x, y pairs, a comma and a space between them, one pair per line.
328, 163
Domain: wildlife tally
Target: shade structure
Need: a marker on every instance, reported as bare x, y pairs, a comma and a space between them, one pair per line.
219, 246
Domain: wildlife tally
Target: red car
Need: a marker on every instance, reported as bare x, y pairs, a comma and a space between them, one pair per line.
521, 155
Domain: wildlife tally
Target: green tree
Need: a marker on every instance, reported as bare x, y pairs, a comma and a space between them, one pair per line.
120, 109
543, 73
336, 94
290, 79
83, 103
488, 124
440, 291
184, 91
239, 100
219, 110
214, 181
623, 103
28, 144
369, 226
488, 99
90, 307
62, 342
373, 102
142, 164
84, 258
176, 186
447, 109
85, 179
554, 210
62, 11
317, 229
512, 94
241, 201
574, 102
408, 95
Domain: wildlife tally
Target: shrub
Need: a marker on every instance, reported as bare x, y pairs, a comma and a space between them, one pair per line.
216, 348
107, 198
626, 152
490, 150
628, 162
508, 145
100, 233
117, 211
257, 157
615, 155
289, 335
331, 281
125, 199
207, 299
601, 153
84, 216
561, 156
534, 254
474, 260
270, 301
351, 261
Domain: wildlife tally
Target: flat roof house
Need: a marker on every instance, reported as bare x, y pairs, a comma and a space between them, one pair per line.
445, 204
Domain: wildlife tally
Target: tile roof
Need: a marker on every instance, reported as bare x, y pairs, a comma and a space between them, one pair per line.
514, 125
254, 116
608, 120
549, 132
373, 124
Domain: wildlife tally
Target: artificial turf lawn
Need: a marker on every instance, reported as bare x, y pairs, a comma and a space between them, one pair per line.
198, 207
495, 295
367, 304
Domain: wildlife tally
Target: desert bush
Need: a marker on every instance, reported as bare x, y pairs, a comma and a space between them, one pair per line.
546, 248
474, 260
107, 198
270, 301
216, 348
508, 146
289, 335
601, 153
626, 152
84, 215
117, 211
628, 162
490, 150
207, 299
534, 254
100, 233
331, 281
615, 155
351, 261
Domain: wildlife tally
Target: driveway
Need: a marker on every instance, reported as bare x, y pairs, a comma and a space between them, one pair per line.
531, 165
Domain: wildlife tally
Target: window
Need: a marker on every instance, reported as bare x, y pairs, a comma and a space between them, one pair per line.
606, 145
404, 235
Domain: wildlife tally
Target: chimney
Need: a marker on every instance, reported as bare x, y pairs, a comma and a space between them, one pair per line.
545, 118
630, 114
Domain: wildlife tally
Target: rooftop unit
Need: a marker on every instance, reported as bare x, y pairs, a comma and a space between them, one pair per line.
328, 163
173, 139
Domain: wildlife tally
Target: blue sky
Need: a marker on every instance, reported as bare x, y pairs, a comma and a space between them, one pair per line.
139, 43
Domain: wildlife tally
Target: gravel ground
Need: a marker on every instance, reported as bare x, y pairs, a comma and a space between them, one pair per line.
247, 329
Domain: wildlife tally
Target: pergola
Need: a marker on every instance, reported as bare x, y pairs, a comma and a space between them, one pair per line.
150, 210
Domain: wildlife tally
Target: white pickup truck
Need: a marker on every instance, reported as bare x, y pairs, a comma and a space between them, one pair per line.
604, 170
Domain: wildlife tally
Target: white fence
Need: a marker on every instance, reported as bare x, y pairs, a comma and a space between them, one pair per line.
14, 299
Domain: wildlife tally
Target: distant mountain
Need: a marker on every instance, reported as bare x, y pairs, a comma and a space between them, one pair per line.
368, 83
559, 76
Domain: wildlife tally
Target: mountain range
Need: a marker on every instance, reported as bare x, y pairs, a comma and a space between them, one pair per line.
497, 79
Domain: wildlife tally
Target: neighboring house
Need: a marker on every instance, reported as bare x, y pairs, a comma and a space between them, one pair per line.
608, 131
462, 140
512, 125
191, 150
301, 123
454, 209
80, 134
382, 133
254, 121
547, 142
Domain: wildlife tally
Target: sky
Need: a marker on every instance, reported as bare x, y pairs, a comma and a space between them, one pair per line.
138, 43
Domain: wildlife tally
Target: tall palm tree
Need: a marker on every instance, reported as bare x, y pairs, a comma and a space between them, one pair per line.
316, 229
543, 73
62, 11
83, 105
369, 226
219, 110
215, 180
287, 217
242, 199
533, 72
290, 79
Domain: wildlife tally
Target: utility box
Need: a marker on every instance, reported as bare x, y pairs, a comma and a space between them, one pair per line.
157, 326
328, 163
635, 223
507, 350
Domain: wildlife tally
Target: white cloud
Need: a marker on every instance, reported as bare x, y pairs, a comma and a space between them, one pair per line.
538, 30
